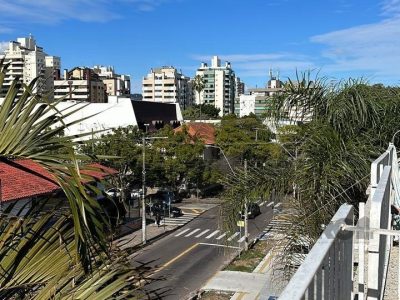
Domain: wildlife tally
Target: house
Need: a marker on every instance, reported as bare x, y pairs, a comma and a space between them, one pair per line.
23, 182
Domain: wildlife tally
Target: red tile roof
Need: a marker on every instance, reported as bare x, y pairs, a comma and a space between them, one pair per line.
99, 171
204, 131
24, 178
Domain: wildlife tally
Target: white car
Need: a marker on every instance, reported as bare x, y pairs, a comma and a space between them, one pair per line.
113, 192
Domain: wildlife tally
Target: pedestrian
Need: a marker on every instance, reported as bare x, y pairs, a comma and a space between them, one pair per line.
158, 218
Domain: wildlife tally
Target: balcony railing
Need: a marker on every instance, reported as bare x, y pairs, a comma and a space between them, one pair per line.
327, 272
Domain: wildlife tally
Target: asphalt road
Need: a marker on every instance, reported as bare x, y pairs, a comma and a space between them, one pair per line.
182, 262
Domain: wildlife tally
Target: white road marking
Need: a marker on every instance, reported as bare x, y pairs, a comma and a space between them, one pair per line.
242, 239
182, 232
221, 236
212, 234
193, 232
219, 245
202, 233
233, 236
278, 205
270, 204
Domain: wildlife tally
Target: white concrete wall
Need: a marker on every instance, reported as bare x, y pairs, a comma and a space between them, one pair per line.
104, 116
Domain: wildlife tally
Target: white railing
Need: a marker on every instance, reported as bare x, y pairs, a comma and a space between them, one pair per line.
327, 272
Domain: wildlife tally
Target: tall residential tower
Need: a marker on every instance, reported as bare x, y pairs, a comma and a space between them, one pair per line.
166, 84
28, 61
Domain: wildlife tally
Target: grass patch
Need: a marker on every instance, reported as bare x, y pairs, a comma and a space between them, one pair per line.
249, 260
216, 296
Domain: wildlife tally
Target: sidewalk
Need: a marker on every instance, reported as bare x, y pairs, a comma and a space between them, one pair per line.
134, 239
246, 286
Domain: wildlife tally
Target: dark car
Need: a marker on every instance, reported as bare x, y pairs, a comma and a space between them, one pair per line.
253, 210
164, 210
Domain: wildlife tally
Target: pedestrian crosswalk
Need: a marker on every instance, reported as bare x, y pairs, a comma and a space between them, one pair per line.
181, 220
210, 234
275, 229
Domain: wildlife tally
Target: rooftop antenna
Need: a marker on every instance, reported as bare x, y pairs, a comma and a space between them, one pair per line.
277, 74
270, 73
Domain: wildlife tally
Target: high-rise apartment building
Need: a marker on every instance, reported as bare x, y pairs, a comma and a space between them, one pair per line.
166, 84
240, 88
219, 87
28, 61
116, 85
80, 84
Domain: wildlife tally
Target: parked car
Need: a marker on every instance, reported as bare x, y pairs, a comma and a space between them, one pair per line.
113, 192
163, 209
253, 210
136, 193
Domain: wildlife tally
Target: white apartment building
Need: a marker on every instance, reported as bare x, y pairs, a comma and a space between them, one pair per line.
28, 61
167, 85
116, 85
219, 87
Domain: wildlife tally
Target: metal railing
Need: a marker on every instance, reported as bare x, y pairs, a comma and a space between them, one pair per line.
327, 271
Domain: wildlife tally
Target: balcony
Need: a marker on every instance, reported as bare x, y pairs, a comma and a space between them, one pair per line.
355, 260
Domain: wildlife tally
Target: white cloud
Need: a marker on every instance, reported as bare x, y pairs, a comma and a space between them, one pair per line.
53, 11
371, 50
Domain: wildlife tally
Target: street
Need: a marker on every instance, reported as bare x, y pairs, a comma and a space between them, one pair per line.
187, 258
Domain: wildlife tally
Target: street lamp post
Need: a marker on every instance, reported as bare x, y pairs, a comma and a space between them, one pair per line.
144, 181
144, 187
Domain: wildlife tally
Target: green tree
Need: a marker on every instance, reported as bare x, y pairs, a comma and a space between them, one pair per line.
210, 111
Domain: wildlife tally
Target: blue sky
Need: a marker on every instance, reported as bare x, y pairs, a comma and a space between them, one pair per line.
338, 38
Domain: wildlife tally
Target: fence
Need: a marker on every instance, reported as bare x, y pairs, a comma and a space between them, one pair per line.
327, 271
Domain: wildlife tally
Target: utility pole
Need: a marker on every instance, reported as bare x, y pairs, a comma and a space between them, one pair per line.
143, 192
144, 187
246, 219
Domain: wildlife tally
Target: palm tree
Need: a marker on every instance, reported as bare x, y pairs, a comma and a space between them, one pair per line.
43, 256
199, 84
337, 130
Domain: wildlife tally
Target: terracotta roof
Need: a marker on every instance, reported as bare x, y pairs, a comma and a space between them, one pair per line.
24, 178
204, 131
99, 171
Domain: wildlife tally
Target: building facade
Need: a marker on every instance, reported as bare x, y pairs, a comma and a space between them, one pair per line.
80, 84
116, 85
258, 101
219, 89
28, 61
167, 85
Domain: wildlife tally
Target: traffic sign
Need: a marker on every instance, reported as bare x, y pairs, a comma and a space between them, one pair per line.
240, 223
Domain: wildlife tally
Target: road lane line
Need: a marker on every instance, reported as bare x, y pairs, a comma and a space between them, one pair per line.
270, 204
219, 245
193, 232
202, 233
221, 236
177, 257
212, 234
233, 236
182, 232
